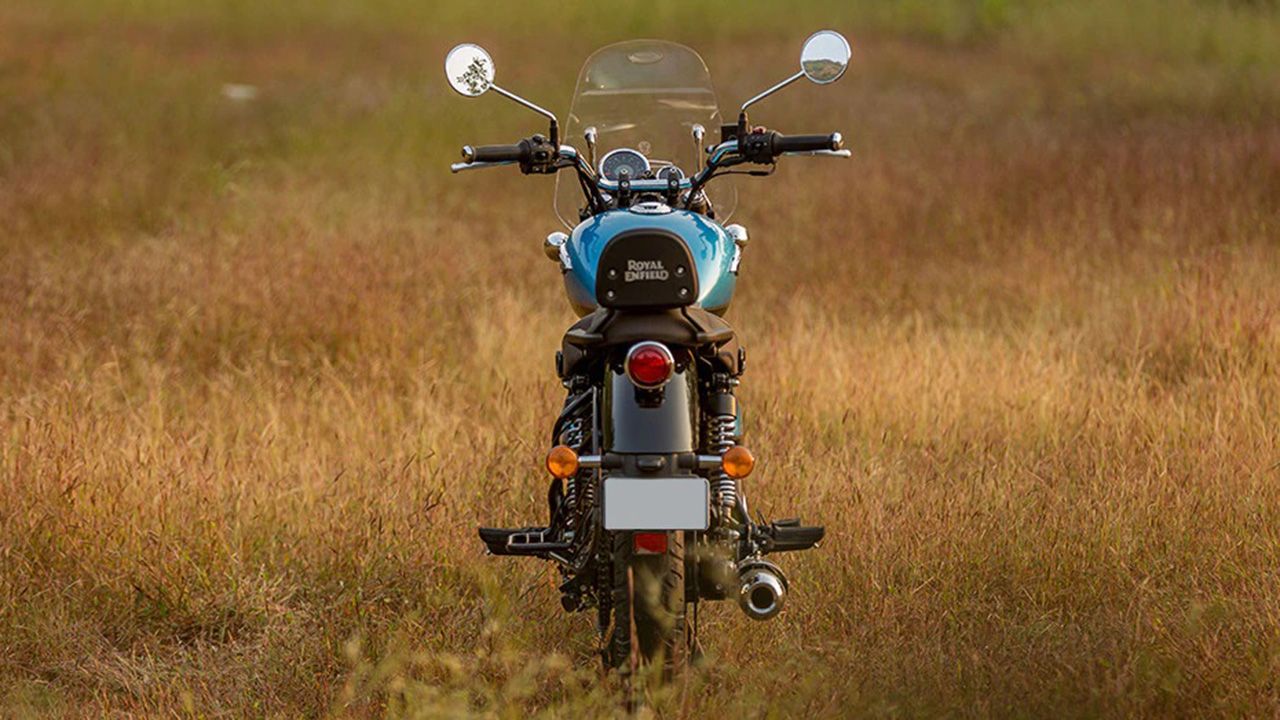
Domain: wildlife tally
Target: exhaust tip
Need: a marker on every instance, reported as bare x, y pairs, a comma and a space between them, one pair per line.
763, 590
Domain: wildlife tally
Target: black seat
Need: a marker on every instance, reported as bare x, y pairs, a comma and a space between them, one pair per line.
691, 327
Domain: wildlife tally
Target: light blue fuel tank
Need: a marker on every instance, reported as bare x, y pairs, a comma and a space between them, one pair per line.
712, 248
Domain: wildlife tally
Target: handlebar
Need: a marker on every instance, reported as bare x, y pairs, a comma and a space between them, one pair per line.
537, 155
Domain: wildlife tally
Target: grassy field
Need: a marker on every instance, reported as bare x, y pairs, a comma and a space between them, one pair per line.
264, 365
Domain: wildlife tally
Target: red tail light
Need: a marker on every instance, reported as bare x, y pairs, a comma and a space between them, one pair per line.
650, 364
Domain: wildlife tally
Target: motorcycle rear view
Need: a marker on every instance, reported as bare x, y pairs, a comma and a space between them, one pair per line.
647, 513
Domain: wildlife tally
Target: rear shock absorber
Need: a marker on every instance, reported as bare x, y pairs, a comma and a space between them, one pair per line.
573, 429
573, 435
721, 420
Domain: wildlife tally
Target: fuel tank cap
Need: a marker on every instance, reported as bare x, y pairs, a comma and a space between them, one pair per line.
652, 207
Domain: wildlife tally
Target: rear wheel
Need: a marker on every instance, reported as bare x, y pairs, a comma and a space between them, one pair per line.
648, 624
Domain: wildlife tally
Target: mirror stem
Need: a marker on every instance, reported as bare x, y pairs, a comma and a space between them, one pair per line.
769, 92
555, 126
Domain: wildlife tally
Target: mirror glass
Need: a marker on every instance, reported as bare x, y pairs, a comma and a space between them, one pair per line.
469, 69
825, 57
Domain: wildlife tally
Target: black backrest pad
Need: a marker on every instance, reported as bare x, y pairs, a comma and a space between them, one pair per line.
646, 269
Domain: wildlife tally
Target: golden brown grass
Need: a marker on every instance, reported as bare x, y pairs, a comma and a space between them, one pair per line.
264, 367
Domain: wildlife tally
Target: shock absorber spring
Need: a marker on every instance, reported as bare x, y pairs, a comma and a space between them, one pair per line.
587, 491
573, 435
719, 438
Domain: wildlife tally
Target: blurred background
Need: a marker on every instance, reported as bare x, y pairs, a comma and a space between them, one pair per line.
265, 364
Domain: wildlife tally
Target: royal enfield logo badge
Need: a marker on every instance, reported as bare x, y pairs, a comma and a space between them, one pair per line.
644, 270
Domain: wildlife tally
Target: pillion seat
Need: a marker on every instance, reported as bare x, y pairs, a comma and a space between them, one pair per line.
692, 327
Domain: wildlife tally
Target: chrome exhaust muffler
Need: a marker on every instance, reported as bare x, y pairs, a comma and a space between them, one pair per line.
763, 589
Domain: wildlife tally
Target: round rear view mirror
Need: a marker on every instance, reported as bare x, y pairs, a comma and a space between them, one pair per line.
469, 69
824, 57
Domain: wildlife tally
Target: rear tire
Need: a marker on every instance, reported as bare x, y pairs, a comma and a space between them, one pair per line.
648, 625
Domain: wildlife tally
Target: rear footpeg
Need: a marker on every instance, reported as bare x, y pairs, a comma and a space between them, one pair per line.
789, 535
529, 541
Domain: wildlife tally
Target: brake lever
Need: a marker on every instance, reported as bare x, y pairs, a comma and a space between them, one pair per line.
820, 153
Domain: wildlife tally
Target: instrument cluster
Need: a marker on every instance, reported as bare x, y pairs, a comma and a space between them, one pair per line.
635, 166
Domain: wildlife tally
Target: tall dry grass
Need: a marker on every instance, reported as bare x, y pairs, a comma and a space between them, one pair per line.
264, 367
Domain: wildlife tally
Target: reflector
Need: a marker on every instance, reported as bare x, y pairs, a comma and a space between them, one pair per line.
652, 543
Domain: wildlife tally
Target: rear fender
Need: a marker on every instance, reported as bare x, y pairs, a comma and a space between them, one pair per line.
666, 428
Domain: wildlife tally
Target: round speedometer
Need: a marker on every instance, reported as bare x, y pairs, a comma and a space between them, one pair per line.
615, 162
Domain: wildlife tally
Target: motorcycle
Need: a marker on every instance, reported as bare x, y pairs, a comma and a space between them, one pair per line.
647, 513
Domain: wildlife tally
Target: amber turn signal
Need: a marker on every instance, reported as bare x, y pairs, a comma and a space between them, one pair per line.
562, 462
738, 462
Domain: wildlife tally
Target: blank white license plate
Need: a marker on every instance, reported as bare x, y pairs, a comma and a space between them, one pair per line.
681, 503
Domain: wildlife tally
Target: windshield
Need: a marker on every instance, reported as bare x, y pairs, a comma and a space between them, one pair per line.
645, 95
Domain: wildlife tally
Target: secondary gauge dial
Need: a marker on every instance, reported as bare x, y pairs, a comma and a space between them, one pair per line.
615, 162
668, 172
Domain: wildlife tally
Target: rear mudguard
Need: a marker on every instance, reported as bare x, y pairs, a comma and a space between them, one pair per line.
634, 426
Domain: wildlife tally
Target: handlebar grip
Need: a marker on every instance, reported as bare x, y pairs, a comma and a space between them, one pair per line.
805, 143
496, 153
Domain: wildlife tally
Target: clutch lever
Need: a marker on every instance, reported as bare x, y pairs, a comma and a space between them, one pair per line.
460, 166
